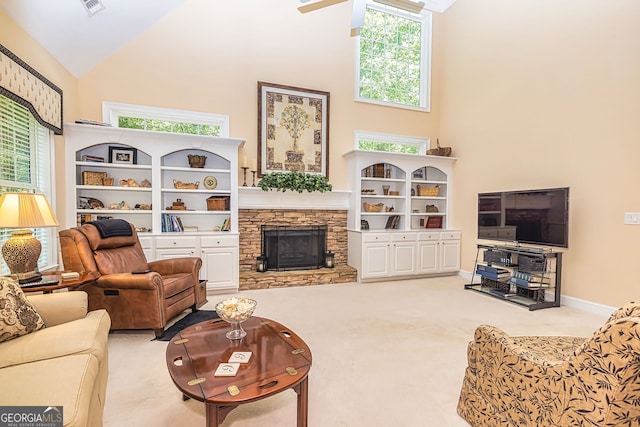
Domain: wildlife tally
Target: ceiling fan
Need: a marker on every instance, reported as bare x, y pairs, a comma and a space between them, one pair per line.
408, 5
359, 6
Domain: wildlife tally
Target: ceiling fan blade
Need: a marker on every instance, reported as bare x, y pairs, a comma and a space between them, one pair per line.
318, 5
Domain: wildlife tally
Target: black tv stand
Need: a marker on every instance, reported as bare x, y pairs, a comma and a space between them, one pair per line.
526, 276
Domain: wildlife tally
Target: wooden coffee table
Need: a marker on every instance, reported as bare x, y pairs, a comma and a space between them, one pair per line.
280, 360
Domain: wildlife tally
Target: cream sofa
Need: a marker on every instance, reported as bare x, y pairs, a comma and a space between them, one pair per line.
65, 364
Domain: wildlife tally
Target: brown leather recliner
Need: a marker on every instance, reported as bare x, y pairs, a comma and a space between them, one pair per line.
134, 301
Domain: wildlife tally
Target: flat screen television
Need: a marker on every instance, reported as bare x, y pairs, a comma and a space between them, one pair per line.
538, 217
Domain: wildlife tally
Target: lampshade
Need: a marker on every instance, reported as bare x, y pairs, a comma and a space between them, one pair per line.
26, 210
22, 250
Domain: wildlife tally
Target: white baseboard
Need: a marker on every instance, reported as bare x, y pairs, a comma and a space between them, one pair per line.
590, 306
465, 274
577, 303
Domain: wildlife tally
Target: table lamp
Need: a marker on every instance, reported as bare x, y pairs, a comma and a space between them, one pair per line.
22, 251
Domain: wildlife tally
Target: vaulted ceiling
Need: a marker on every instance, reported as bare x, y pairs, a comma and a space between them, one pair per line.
80, 41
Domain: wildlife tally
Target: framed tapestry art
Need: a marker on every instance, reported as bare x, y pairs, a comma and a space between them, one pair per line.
293, 129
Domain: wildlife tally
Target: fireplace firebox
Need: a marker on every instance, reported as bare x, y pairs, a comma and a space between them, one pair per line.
294, 247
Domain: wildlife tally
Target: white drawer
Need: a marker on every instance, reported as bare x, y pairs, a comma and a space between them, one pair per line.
176, 242
404, 237
375, 237
450, 235
146, 242
434, 235
218, 241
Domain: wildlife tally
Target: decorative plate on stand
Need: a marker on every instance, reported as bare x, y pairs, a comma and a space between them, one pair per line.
210, 183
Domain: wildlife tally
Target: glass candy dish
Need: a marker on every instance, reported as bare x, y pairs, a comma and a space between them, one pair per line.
235, 311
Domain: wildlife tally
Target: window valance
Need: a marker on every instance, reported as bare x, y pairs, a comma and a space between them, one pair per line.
24, 85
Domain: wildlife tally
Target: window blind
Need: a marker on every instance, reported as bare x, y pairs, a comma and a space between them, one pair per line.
25, 165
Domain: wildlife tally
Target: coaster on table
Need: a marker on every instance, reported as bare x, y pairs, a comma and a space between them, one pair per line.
227, 370
240, 357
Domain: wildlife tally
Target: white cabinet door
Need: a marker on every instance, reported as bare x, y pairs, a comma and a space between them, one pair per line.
375, 260
450, 255
403, 257
220, 267
428, 257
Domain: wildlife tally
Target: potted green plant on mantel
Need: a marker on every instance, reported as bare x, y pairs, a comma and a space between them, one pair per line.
294, 181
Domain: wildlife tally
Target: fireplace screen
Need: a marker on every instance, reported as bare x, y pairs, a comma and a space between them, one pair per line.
294, 248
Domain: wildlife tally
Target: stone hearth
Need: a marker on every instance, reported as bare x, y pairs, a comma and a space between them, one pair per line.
253, 213
284, 279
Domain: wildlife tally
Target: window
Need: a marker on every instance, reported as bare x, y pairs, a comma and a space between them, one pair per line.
394, 57
164, 119
25, 153
370, 141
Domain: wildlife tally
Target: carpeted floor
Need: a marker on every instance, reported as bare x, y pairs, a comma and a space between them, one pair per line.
384, 354
188, 320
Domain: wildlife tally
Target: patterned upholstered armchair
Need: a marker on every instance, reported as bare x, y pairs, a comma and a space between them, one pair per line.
555, 381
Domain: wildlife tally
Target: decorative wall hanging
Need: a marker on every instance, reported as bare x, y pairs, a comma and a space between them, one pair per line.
293, 129
24, 85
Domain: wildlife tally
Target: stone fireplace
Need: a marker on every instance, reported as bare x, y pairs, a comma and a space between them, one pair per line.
272, 209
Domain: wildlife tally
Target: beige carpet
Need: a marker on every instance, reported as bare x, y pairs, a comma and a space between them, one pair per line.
389, 354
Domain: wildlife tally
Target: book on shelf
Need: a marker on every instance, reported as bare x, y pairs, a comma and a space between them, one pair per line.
226, 225
491, 269
493, 276
90, 158
171, 223
527, 280
393, 222
84, 218
494, 273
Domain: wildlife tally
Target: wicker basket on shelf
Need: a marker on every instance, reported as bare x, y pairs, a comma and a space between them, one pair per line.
428, 191
439, 151
93, 178
368, 207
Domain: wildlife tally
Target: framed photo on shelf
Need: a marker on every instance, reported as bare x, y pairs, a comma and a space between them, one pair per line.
293, 129
434, 222
125, 155
418, 174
